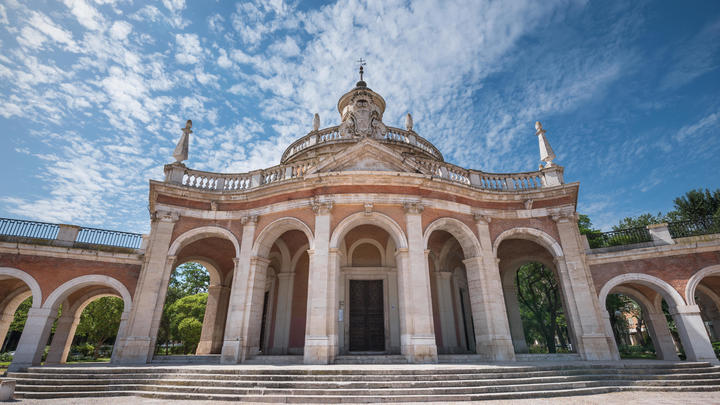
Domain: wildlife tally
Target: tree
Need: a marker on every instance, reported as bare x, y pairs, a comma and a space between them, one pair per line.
100, 321
190, 278
189, 307
540, 303
21, 314
189, 331
642, 220
697, 205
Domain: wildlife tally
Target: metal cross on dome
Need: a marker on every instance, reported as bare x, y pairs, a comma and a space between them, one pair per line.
362, 63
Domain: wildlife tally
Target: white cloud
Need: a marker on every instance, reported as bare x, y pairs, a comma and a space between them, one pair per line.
86, 15
286, 48
3, 15
700, 127
188, 49
120, 30
223, 61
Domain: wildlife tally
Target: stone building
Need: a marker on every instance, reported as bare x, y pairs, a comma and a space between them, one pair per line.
364, 241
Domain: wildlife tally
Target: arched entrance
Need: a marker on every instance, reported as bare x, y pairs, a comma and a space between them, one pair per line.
538, 298
652, 291
16, 286
74, 295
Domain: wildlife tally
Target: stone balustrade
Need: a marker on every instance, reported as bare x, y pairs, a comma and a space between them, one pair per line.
239, 182
331, 135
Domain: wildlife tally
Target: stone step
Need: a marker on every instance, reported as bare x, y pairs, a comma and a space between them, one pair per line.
276, 359
371, 359
187, 359
365, 399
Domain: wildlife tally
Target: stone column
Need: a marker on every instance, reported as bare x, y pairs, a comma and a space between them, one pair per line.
419, 340
5, 321
492, 330
33, 339
238, 313
137, 346
610, 336
258, 273
320, 344
62, 340
213, 315
283, 313
513, 312
445, 310
661, 337
581, 301
693, 335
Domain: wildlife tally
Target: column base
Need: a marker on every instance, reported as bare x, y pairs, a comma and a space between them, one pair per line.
595, 347
132, 350
495, 348
232, 352
15, 367
420, 349
204, 347
319, 350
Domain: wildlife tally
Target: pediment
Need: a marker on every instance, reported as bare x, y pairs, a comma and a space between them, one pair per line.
367, 155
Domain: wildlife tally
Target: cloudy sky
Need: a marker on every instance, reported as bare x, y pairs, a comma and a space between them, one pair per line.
95, 92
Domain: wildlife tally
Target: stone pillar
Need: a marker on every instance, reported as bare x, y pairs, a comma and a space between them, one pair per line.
240, 292
6, 319
693, 335
320, 343
610, 336
445, 310
513, 312
33, 339
258, 273
583, 311
419, 336
62, 340
214, 320
661, 336
492, 330
137, 346
283, 313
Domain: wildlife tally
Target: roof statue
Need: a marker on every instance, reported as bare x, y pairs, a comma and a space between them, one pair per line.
546, 153
181, 150
409, 122
316, 122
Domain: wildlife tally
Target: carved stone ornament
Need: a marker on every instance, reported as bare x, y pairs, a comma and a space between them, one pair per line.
563, 216
368, 208
528, 204
249, 220
482, 218
321, 207
165, 216
413, 207
181, 150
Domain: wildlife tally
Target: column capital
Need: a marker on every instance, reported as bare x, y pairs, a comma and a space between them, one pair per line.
259, 260
250, 220
321, 207
562, 217
684, 310
165, 216
171, 260
285, 276
443, 274
481, 218
400, 251
413, 208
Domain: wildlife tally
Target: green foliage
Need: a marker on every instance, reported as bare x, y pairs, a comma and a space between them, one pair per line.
541, 306
6, 357
192, 306
189, 331
21, 313
100, 320
640, 221
698, 204
85, 349
189, 279
716, 348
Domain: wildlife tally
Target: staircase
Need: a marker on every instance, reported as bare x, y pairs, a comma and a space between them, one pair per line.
363, 383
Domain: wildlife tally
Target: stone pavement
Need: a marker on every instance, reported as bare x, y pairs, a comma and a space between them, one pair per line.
630, 398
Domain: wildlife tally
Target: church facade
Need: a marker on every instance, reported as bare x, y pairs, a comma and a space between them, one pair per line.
364, 241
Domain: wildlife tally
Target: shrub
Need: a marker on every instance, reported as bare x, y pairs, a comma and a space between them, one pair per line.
85, 349
6, 357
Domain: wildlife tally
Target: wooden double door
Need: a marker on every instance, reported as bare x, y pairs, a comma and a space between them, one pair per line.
366, 316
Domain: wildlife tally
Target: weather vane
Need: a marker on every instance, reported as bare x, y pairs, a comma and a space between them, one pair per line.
362, 63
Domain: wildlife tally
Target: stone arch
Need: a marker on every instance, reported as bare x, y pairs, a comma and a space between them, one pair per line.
711, 294
369, 241
375, 218
67, 288
533, 235
671, 295
275, 229
284, 255
28, 280
696, 279
293, 262
216, 277
201, 233
464, 235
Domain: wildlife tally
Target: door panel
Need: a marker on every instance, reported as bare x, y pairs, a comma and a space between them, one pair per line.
367, 316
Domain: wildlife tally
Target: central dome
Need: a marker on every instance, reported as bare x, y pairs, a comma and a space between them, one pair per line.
361, 116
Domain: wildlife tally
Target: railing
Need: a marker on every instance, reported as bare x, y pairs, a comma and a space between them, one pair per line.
28, 229
92, 236
332, 134
66, 235
243, 181
694, 227
486, 181
620, 237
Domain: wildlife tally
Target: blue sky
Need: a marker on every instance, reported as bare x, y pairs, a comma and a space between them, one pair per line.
96, 91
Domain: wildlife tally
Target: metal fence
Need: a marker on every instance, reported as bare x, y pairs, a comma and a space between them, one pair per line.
28, 229
92, 236
620, 237
694, 227
18, 228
